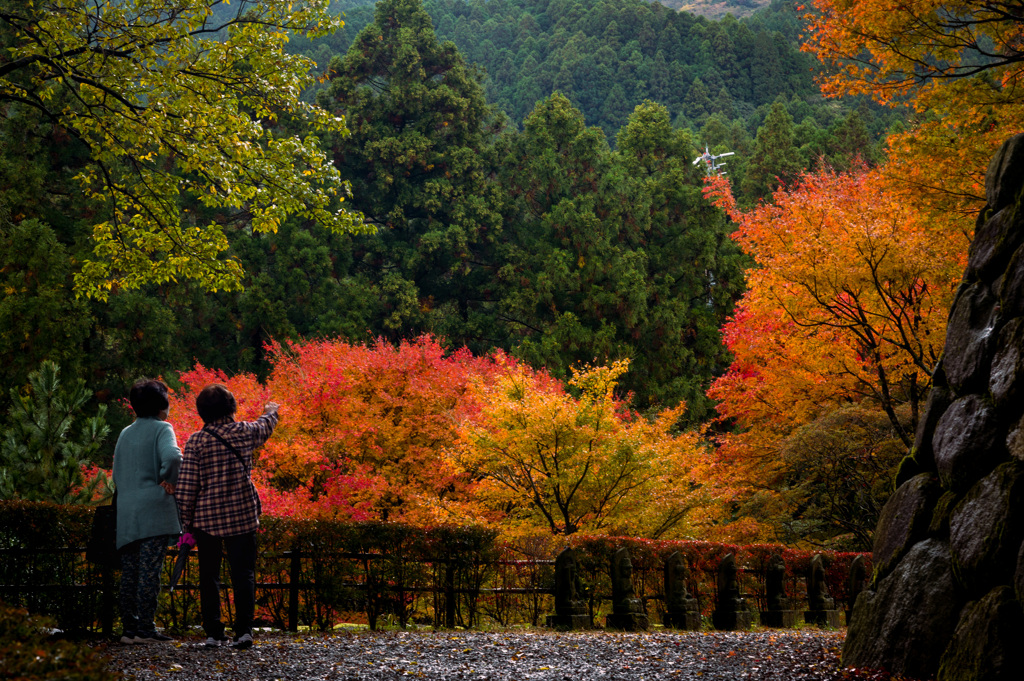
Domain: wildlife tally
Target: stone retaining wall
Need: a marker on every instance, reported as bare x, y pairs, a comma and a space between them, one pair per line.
945, 597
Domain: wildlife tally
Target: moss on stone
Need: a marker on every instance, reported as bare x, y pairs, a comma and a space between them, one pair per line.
985, 645
908, 468
939, 526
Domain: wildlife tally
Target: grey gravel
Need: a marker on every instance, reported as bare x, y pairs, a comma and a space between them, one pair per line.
785, 655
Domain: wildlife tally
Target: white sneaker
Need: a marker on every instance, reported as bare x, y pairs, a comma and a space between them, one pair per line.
212, 642
244, 642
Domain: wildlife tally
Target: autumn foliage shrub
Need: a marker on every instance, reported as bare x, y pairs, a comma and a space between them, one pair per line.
362, 430
28, 651
579, 460
415, 434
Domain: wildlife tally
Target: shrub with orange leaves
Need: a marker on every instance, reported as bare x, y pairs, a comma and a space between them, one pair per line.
847, 303
550, 460
362, 428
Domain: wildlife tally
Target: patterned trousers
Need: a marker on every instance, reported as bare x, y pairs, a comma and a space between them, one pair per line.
140, 583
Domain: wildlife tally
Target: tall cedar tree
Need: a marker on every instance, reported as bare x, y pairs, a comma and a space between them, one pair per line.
615, 256
420, 127
776, 159
572, 286
694, 272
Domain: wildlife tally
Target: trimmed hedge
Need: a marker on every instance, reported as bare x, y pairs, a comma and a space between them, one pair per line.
378, 572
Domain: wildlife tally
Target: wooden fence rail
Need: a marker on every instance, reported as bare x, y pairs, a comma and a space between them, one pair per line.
316, 586
82, 581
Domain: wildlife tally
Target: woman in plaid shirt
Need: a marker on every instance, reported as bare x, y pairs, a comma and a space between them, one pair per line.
220, 507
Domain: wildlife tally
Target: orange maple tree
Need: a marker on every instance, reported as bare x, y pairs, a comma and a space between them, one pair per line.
847, 303
549, 460
958, 66
362, 428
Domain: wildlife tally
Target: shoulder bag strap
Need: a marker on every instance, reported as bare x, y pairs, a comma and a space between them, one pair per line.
230, 446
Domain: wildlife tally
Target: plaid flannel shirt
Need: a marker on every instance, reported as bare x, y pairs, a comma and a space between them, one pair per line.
215, 492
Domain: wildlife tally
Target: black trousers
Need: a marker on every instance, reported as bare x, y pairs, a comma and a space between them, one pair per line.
241, 553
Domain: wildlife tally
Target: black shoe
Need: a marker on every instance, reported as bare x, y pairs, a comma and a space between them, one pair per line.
244, 642
152, 637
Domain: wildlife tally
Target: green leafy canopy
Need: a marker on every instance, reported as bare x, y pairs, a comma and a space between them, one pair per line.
176, 101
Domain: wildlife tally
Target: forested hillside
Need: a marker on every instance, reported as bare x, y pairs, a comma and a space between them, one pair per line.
518, 179
607, 57
465, 247
603, 57
716, 78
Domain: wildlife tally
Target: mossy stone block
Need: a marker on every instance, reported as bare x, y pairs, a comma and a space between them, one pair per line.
903, 521
986, 530
911, 614
986, 645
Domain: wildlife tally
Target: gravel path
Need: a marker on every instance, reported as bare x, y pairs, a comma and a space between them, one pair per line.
790, 655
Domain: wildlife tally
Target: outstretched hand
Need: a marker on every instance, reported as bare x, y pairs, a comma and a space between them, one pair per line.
270, 408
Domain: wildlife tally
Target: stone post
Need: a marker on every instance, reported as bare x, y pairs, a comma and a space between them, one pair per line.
779, 613
731, 611
681, 611
627, 610
571, 610
858, 576
820, 606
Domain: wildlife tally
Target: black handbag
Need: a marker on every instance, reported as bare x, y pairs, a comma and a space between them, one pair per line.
102, 546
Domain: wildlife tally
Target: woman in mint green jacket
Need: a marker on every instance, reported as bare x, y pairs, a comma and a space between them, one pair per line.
146, 463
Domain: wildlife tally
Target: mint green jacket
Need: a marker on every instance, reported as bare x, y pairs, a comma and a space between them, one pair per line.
146, 454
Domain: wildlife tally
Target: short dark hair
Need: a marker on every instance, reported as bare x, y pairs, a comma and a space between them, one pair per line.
148, 398
214, 402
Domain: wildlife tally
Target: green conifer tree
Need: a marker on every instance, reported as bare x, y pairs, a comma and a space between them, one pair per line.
775, 158
697, 105
570, 280
420, 129
42, 455
694, 270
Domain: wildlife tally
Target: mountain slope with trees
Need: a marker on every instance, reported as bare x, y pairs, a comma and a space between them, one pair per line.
526, 171
718, 78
